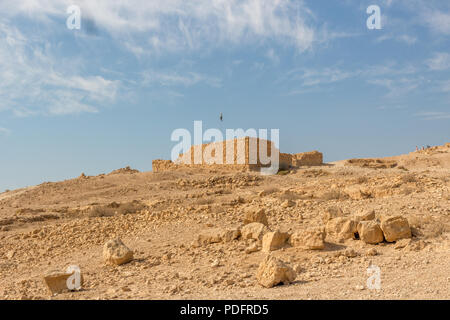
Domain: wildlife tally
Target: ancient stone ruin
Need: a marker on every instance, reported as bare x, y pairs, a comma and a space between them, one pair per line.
240, 154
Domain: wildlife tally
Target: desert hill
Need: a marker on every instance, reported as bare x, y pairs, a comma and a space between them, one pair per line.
188, 230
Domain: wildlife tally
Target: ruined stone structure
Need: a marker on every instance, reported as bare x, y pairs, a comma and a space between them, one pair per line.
240, 154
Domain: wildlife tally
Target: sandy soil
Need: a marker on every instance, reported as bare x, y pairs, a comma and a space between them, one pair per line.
160, 215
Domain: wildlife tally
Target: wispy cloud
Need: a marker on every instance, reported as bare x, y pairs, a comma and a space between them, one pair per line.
397, 87
439, 21
33, 81
439, 61
169, 79
404, 38
178, 25
433, 115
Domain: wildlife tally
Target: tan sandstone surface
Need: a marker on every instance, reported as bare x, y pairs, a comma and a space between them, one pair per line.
203, 233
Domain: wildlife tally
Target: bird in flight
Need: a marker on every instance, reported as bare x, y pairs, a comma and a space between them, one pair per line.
221, 117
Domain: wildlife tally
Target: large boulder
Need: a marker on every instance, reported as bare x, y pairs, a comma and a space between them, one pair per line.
342, 228
273, 271
115, 252
254, 230
395, 228
370, 232
308, 239
274, 240
255, 215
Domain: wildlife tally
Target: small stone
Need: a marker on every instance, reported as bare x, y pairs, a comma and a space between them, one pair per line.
372, 252
56, 281
252, 248
331, 213
274, 240
115, 252
215, 263
342, 228
273, 271
370, 232
309, 239
252, 215
254, 230
365, 216
288, 204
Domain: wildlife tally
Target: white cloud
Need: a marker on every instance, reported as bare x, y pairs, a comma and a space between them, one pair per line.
440, 61
175, 25
169, 79
438, 21
34, 82
315, 77
397, 87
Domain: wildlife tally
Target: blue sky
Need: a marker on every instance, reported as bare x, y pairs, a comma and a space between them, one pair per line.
110, 94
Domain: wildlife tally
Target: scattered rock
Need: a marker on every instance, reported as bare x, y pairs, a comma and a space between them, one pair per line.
115, 252
357, 192
365, 216
395, 228
331, 213
273, 271
274, 240
230, 234
350, 253
288, 204
309, 239
402, 243
372, 252
370, 232
252, 215
56, 281
254, 230
252, 248
342, 228
216, 263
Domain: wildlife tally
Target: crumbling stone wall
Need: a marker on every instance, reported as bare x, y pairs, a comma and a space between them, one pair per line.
240, 154
313, 158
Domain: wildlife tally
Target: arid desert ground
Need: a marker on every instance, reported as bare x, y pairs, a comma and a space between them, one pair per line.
186, 231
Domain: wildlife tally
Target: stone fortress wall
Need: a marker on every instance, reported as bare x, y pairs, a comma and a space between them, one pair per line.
239, 154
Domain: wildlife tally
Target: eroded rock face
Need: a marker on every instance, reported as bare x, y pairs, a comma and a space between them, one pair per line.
254, 230
395, 228
255, 215
370, 232
309, 239
273, 271
342, 228
274, 240
115, 252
